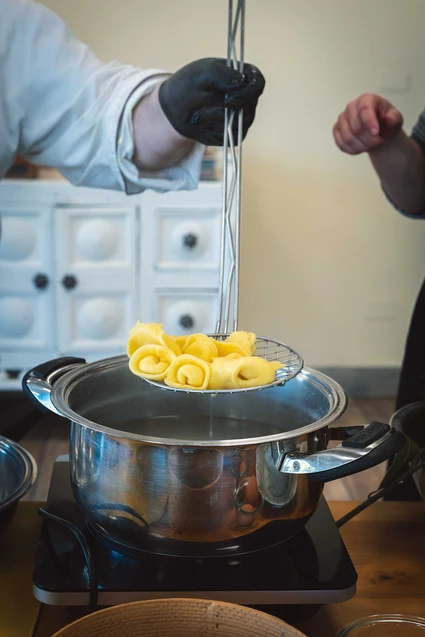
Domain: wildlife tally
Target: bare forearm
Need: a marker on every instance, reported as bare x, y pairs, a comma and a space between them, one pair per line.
400, 165
156, 144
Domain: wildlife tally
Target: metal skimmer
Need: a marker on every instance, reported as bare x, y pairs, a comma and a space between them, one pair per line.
228, 297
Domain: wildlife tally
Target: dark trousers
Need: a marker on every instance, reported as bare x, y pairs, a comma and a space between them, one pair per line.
412, 381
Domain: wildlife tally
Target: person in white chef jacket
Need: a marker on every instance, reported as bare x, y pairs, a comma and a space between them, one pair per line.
109, 125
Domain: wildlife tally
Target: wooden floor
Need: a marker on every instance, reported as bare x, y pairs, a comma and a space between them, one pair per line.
47, 440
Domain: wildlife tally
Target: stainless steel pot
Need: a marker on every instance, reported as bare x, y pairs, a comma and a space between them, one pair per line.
196, 474
18, 472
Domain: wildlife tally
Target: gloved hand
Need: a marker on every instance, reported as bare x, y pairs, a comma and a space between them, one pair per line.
194, 98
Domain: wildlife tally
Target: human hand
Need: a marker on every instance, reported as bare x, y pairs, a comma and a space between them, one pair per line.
367, 123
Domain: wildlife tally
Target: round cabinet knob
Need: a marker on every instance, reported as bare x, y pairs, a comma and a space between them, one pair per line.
190, 240
185, 313
69, 282
41, 281
186, 321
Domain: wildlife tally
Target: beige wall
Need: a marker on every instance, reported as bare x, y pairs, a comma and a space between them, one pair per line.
327, 265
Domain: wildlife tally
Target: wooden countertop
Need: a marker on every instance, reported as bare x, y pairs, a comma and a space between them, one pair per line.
387, 545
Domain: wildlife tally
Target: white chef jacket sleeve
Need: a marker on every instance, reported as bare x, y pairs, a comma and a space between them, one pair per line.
78, 115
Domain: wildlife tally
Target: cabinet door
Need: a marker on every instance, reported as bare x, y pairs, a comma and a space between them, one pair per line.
185, 311
96, 271
186, 240
180, 259
26, 286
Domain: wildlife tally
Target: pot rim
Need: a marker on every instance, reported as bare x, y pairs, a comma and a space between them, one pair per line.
66, 383
27, 468
399, 417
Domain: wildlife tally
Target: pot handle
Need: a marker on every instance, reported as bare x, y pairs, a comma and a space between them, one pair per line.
367, 448
38, 383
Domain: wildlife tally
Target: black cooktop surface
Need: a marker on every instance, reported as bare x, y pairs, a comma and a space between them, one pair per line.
311, 568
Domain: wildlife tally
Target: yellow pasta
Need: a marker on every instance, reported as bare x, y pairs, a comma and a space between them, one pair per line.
240, 373
181, 341
150, 334
201, 346
151, 361
225, 348
222, 370
188, 372
253, 371
276, 365
247, 340
197, 361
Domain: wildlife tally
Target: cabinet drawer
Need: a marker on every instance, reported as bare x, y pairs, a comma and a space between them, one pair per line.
186, 311
95, 323
187, 239
95, 238
25, 239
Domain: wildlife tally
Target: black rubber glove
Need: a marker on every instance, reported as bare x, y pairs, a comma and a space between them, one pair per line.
194, 98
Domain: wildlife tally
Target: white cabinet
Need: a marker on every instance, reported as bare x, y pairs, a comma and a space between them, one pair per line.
79, 266
96, 277
185, 311
26, 292
180, 248
184, 241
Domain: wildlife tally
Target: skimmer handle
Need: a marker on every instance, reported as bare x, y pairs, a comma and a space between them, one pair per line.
228, 293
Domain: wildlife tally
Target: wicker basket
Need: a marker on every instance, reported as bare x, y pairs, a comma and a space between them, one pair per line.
178, 618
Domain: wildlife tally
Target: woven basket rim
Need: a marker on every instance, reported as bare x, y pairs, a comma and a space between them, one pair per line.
179, 600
